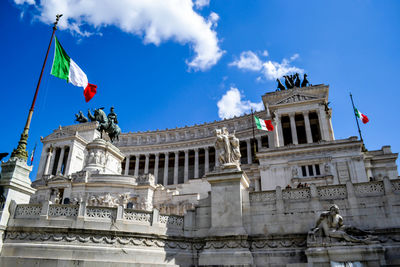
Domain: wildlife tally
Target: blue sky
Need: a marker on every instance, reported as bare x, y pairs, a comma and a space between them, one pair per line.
168, 63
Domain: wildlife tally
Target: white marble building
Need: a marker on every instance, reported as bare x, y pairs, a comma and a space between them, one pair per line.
156, 198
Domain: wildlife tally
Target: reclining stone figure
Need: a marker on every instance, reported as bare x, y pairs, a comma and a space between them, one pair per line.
330, 224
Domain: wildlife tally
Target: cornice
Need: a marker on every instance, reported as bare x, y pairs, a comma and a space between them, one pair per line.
324, 146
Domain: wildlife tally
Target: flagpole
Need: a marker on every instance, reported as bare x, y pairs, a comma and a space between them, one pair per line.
358, 125
254, 136
20, 152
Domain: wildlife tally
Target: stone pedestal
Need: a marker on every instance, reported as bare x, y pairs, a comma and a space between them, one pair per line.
103, 158
227, 243
16, 188
368, 255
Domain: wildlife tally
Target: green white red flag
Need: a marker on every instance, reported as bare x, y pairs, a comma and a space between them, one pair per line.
65, 68
265, 125
361, 116
33, 153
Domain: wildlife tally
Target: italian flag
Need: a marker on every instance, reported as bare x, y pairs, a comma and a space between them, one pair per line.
265, 125
65, 68
361, 116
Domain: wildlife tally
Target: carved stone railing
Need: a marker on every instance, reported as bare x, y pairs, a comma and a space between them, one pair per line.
101, 212
263, 196
332, 192
369, 189
138, 216
396, 185
47, 211
57, 210
172, 220
296, 194
27, 211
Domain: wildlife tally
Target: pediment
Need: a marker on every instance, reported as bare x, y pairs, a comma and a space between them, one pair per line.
59, 134
294, 98
58, 178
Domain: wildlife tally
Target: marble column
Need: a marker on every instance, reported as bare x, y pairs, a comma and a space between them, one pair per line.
308, 127
137, 158
146, 164
166, 169
186, 169
53, 160
127, 164
293, 128
196, 163
48, 160
68, 164
206, 160
249, 157
156, 162
259, 144
176, 167
60, 161
216, 158
323, 124
279, 131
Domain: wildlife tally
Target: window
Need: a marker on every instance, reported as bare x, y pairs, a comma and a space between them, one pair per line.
310, 170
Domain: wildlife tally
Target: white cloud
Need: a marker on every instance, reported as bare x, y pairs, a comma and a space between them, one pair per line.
271, 70
155, 21
21, 2
248, 60
231, 104
201, 3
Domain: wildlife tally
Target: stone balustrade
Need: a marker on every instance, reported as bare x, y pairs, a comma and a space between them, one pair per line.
97, 213
329, 192
57, 210
27, 211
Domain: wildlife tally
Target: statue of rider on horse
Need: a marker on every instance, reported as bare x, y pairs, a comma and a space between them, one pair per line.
106, 123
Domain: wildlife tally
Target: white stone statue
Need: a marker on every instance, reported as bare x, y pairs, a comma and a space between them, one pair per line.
227, 148
330, 224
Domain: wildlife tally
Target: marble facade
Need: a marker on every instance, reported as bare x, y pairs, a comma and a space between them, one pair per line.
161, 198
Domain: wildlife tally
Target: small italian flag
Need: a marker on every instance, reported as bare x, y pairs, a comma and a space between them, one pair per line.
65, 68
265, 125
361, 116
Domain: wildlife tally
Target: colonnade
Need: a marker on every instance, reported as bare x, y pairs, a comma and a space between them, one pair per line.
174, 167
298, 128
57, 160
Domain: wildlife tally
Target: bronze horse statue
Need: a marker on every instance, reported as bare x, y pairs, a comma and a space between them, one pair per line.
105, 124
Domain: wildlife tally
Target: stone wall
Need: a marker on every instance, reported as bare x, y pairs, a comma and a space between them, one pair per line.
276, 222
371, 205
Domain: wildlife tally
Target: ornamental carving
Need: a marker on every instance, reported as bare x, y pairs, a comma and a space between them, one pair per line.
295, 98
101, 212
171, 220
227, 244
146, 179
109, 200
63, 210
396, 185
98, 239
369, 189
283, 243
137, 216
332, 192
296, 194
28, 211
80, 176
